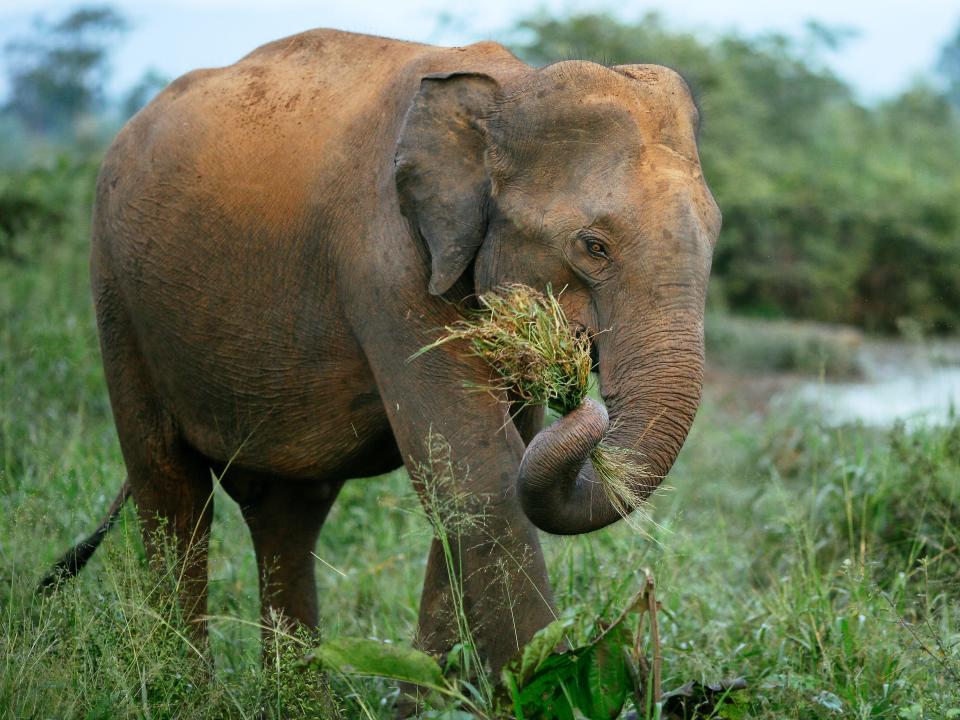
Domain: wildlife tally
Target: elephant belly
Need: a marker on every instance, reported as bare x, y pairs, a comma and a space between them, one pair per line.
328, 424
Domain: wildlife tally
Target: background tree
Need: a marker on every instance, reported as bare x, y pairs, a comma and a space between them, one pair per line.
834, 210
58, 74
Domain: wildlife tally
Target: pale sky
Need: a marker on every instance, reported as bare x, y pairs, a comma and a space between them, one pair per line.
897, 41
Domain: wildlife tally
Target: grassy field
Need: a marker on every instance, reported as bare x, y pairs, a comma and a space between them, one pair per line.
822, 565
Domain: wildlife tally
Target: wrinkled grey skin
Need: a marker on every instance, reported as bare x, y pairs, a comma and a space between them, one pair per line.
273, 240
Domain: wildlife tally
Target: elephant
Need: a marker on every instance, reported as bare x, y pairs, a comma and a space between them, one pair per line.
273, 240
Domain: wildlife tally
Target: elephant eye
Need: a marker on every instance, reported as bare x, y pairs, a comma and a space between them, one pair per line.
595, 247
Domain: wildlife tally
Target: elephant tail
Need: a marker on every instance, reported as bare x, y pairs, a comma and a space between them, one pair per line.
73, 561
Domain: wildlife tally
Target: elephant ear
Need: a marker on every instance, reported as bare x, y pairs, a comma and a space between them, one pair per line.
441, 178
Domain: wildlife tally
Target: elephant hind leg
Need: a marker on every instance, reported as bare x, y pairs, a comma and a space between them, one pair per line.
284, 517
169, 480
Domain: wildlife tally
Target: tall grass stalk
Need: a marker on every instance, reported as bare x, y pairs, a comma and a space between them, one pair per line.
452, 512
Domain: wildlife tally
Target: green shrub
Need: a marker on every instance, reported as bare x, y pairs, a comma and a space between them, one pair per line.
37, 205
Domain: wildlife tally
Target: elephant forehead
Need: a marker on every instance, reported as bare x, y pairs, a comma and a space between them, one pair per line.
597, 118
587, 124
593, 180
633, 199
558, 168
560, 182
571, 83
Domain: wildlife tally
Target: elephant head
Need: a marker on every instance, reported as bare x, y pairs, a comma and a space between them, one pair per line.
586, 178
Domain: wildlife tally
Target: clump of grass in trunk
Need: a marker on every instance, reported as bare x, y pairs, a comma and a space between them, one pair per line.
526, 338
622, 473
537, 356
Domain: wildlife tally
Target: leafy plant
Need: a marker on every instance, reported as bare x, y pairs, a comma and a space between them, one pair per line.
594, 679
548, 679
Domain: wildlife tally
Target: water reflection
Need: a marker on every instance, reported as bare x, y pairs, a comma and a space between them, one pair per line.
910, 384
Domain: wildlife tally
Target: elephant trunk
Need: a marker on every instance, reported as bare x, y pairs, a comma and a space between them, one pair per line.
650, 380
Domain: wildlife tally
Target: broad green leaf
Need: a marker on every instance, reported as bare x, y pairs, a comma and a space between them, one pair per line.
592, 678
542, 646
372, 658
605, 678
549, 692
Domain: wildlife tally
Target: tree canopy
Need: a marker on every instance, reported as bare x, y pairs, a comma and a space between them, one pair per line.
58, 74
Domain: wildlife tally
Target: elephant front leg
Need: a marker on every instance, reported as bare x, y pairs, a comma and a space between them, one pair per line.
486, 583
486, 577
505, 588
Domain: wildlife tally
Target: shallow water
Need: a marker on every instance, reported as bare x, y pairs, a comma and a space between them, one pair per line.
903, 383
